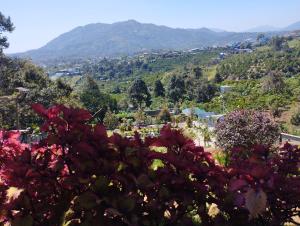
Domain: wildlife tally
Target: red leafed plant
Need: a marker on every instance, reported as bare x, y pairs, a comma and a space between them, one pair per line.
78, 175
264, 186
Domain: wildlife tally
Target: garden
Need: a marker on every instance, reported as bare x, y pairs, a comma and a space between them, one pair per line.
78, 175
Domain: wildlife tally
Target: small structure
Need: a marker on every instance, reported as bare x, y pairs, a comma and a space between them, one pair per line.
152, 113
225, 89
210, 117
200, 113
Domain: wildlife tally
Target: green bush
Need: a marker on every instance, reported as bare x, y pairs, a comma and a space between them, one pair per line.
111, 121
164, 116
295, 120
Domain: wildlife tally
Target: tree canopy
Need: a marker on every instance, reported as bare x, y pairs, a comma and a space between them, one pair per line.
16, 73
139, 94
5, 26
159, 89
96, 101
176, 89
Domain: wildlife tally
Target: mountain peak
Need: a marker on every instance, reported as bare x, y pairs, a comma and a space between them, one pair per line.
127, 38
131, 22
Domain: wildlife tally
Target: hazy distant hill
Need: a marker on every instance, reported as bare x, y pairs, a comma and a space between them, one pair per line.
292, 27
129, 37
267, 28
264, 28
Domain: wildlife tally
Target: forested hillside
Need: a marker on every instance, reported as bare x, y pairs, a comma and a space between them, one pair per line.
266, 78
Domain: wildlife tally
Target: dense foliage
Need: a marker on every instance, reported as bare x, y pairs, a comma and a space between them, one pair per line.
295, 120
259, 63
176, 89
164, 116
16, 73
111, 121
5, 26
78, 175
159, 89
139, 94
245, 128
96, 101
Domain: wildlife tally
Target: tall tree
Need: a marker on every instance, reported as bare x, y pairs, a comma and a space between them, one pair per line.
159, 89
139, 94
176, 89
197, 72
205, 92
218, 78
96, 101
5, 26
277, 42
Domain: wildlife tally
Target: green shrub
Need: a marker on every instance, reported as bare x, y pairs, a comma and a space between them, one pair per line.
295, 120
111, 121
164, 116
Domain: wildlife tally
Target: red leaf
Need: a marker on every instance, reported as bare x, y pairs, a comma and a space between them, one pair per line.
259, 171
40, 110
236, 184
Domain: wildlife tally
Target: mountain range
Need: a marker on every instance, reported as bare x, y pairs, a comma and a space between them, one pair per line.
130, 37
268, 28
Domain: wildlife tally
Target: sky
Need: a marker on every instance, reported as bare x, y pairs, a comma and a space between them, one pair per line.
39, 21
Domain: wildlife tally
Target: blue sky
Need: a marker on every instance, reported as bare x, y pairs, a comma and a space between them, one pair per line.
39, 21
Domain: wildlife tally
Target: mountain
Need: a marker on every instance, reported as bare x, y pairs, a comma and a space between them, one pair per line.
292, 27
264, 28
216, 29
129, 37
267, 28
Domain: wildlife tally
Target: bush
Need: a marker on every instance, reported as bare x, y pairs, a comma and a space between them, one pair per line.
164, 116
295, 120
80, 176
111, 121
245, 128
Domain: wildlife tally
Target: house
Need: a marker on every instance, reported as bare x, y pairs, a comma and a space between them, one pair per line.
209, 117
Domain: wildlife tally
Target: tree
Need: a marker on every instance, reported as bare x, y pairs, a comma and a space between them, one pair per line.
139, 94
205, 92
95, 101
206, 134
245, 128
5, 26
275, 110
159, 90
164, 115
273, 82
277, 42
200, 90
197, 72
22, 73
123, 104
295, 119
218, 78
111, 121
140, 117
176, 89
